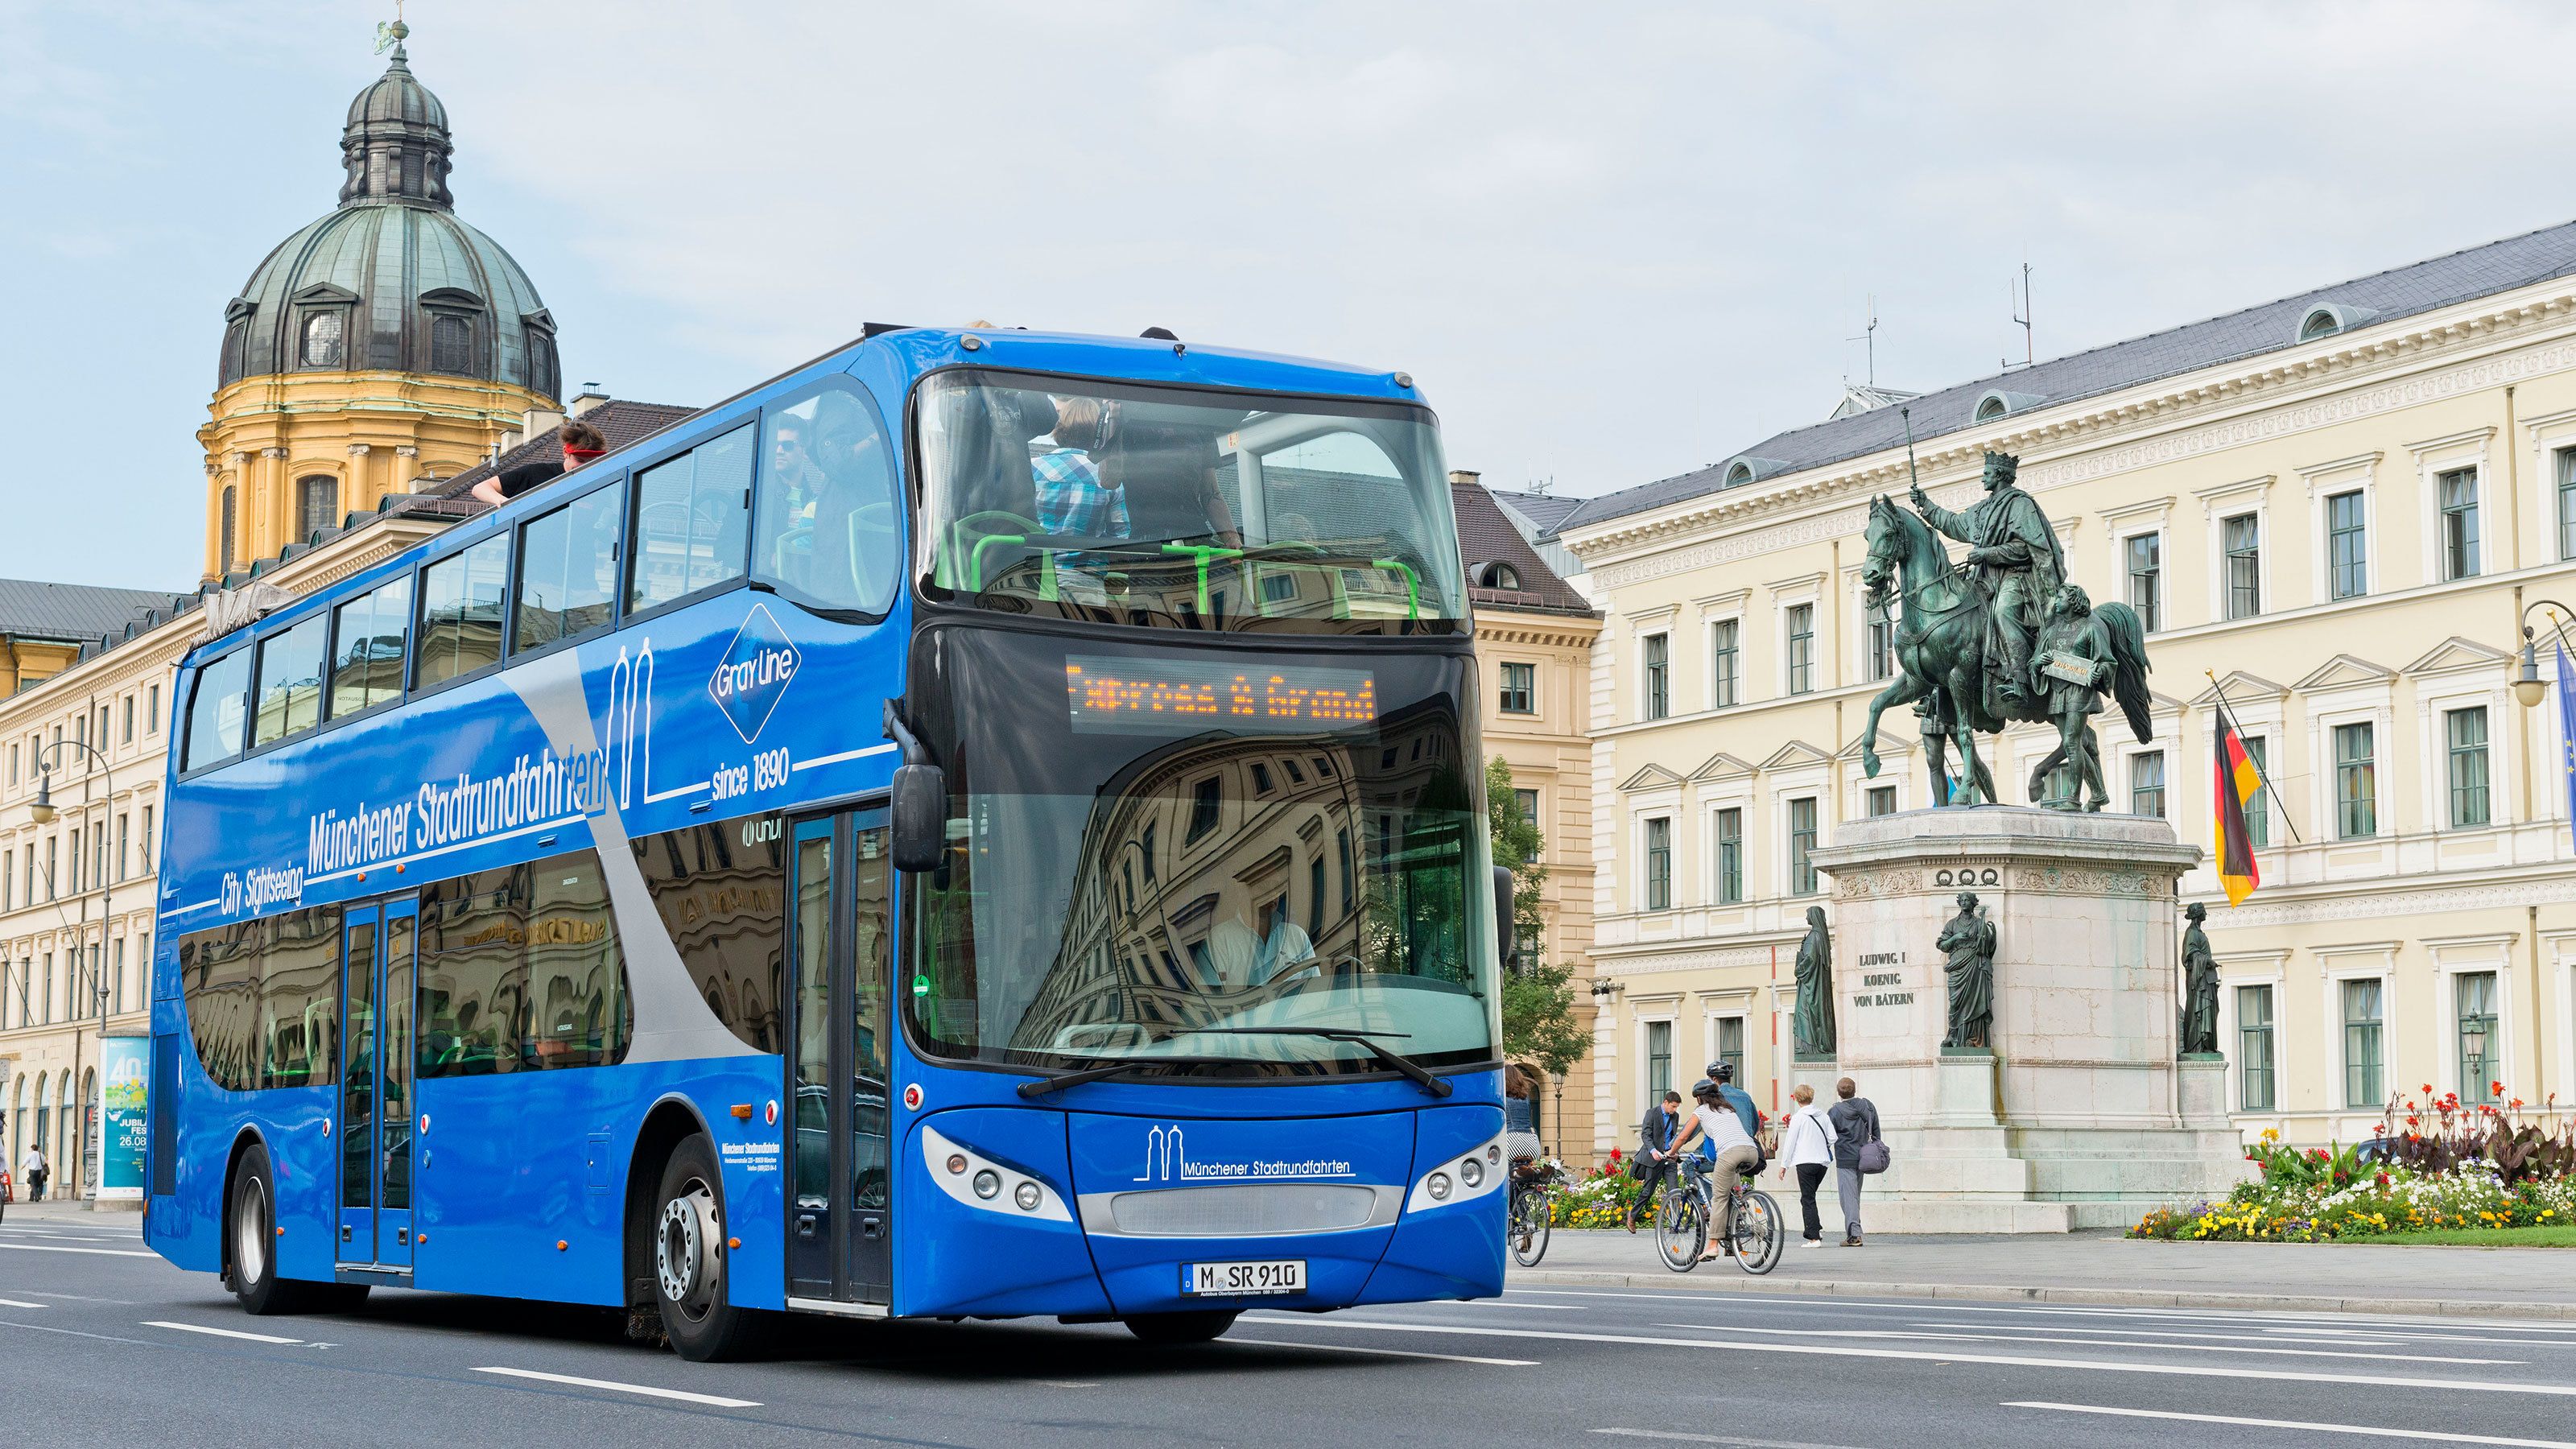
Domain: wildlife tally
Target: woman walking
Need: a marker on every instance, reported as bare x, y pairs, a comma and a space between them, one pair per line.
1807, 1147
1520, 1125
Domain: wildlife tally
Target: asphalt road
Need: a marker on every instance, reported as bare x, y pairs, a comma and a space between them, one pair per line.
105, 1342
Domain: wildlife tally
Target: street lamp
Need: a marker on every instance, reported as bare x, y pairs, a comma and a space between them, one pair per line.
2528, 686
42, 811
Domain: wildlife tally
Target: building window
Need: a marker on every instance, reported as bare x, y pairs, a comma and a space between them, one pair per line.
2147, 783
1881, 800
2567, 503
322, 339
1802, 846
143, 843
2254, 1059
2362, 1064
1520, 689
2347, 546
1659, 1063
2258, 809
2475, 993
126, 730
1206, 803
1659, 864
1882, 646
1730, 857
2356, 783
2243, 538
1659, 675
317, 504
1802, 648
2466, 730
451, 344
2057, 787
2459, 495
2146, 560
1723, 648
1526, 801
152, 709
1730, 1043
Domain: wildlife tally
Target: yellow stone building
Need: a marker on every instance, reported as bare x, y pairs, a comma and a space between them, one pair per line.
2336, 507
1534, 638
385, 344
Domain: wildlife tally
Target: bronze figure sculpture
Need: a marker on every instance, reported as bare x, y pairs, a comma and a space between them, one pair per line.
1979, 636
2199, 1032
1968, 946
1812, 1025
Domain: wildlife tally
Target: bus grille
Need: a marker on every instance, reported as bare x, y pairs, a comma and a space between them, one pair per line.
1264, 1210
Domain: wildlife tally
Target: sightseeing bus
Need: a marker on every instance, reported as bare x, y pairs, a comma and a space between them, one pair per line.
985, 824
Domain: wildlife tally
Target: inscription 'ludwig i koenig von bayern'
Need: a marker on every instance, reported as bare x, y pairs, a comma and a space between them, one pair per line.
1881, 986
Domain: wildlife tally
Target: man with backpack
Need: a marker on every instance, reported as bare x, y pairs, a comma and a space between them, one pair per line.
1856, 1138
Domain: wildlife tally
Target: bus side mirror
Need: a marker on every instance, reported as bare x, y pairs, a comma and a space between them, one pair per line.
920, 817
1506, 940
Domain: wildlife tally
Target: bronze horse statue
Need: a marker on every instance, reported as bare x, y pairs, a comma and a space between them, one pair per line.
1942, 643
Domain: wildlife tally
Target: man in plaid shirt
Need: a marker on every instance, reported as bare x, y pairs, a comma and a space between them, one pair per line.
1071, 497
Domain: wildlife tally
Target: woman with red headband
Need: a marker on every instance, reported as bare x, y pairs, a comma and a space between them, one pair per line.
581, 443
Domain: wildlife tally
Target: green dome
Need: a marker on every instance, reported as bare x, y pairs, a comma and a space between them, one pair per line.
392, 280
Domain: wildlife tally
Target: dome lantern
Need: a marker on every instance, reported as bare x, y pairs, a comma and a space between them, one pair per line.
396, 143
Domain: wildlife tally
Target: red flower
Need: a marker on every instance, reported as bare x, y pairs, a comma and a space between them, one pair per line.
2495, 1089
2428, 1089
2410, 1119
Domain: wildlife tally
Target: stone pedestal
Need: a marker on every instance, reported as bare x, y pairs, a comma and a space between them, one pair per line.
1818, 1072
2080, 1115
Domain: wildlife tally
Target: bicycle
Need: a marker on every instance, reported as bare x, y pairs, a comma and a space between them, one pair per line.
1753, 1234
1533, 1210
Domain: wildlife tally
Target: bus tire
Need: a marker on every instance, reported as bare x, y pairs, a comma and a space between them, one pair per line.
250, 1249
687, 1253
1199, 1327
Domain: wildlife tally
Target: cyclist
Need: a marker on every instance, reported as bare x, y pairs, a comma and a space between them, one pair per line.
1723, 1074
1716, 1121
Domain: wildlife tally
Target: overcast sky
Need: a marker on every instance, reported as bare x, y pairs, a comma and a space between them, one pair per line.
1612, 242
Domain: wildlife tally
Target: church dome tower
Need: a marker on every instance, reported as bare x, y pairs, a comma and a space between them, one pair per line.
386, 342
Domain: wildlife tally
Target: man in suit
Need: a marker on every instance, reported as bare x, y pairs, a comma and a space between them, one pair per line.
1654, 1142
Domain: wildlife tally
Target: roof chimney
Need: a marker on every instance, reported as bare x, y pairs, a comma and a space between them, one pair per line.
591, 397
1465, 478
538, 420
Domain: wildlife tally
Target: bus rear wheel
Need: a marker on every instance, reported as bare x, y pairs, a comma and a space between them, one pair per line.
251, 1249
1199, 1327
689, 1252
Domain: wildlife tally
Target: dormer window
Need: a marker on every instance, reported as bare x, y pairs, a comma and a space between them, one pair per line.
322, 338
1498, 575
2328, 318
451, 343
1996, 403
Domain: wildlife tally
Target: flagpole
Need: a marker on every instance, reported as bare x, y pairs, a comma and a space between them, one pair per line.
2219, 692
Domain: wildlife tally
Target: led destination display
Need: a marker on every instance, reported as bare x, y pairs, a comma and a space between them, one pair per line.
1122, 696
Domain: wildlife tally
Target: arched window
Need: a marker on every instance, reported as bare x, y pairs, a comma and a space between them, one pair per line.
18, 1113
317, 504
236, 338
224, 535
1990, 409
322, 339
451, 344
544, 372
42, 1136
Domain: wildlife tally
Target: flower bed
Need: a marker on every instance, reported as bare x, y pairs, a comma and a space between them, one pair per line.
1598, 1199
2472, 1171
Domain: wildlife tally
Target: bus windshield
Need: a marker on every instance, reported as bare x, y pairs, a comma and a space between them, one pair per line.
1198, 866
1155, 507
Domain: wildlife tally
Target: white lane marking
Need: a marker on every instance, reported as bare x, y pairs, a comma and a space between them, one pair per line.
2032, 1336
2354, 1340
2398, 1324
1713, 1439
17, 1303
218, 1332
2372, 1431
615, 1387
1835, 1350
99, 1252
1506, 1303
1383, 1352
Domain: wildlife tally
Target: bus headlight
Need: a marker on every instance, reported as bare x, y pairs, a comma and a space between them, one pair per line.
988, 1184
1438, 1186
1464, 1178
1028, 1196
1471, 1172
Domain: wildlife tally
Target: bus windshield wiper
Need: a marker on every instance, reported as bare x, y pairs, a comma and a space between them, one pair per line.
1075, 1078
1436, 1086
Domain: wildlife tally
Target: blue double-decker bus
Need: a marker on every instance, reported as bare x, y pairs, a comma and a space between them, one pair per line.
985, 824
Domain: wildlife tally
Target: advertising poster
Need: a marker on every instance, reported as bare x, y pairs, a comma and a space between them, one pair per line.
127, 1061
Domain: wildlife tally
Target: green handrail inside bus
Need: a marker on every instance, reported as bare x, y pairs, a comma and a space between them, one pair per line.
1412, 586
1203, 553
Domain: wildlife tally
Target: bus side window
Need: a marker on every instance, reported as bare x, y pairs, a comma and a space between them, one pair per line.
290, 682
690, 527
367, 653
460, 611
218, 710
827, 512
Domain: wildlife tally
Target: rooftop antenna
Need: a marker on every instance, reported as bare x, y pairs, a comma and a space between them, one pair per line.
2021, 318
1869, 335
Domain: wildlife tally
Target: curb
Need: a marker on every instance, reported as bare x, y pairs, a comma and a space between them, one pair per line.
2007, 1293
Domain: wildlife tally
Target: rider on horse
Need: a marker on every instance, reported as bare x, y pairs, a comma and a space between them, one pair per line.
2013, 556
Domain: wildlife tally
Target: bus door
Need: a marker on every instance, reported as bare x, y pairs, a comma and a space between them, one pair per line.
376, 991
841, 937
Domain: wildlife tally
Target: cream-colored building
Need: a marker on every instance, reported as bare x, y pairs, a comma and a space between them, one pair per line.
2335, 506
1534, 637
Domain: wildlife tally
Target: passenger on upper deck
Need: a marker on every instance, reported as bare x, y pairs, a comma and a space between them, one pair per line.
1072, 496
580, 442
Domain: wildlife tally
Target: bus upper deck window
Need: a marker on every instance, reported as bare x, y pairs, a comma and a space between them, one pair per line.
290, 683
826, 515
691, 523
367, 656
460, 610
567, 571
218, 710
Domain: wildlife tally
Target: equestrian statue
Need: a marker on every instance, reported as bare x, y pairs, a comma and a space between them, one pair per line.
2000, 637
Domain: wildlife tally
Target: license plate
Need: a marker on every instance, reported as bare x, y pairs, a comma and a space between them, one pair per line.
1226, 1280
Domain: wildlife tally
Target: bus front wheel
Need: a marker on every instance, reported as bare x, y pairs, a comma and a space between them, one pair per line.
689, 1252
252, 1250
1181, 1327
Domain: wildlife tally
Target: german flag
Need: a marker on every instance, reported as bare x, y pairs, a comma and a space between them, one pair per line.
2237, 781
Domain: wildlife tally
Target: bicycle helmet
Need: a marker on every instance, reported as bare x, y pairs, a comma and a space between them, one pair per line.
1721, 1071
1704, 1091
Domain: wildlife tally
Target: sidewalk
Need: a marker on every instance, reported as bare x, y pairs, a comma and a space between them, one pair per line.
2104, 1268
57, 1210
